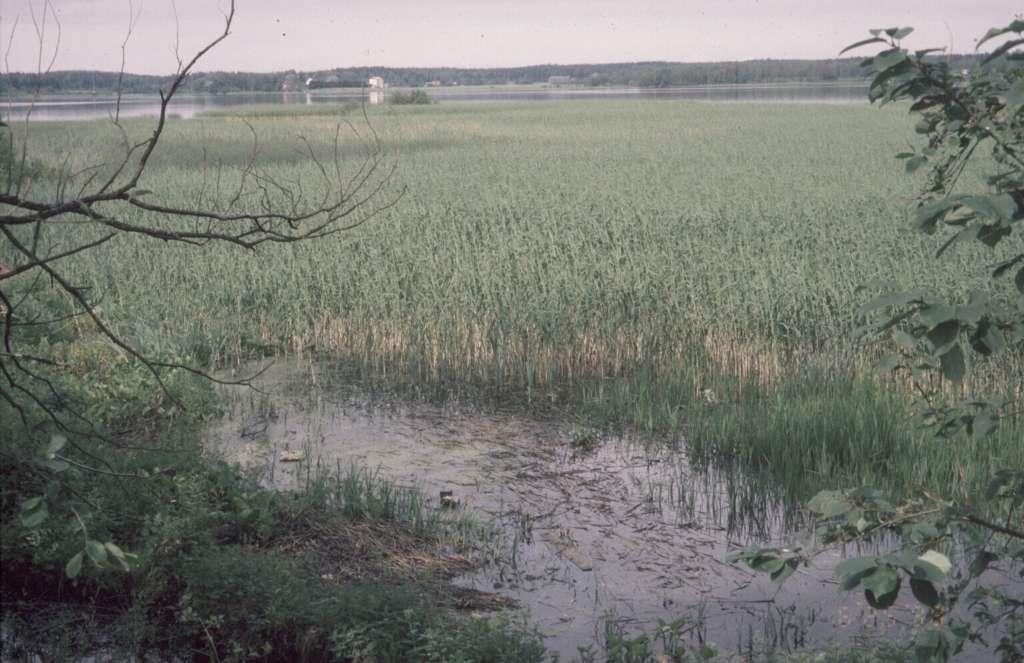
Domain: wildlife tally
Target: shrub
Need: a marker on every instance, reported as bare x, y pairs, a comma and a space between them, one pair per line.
410, 97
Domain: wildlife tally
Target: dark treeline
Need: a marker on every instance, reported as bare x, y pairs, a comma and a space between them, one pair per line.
642, 74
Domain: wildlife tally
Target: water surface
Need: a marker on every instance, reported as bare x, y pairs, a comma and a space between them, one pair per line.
595, 527
82, 107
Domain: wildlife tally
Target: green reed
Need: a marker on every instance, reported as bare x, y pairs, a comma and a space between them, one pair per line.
622, 258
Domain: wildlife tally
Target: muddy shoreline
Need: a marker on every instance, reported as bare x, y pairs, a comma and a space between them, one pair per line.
593, 529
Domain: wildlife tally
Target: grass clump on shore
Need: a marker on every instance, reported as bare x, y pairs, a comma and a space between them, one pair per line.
225, 570
188, 557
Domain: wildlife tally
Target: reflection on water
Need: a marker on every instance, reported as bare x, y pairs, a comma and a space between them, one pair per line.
767, 93
593, 525
183, 105
186, 106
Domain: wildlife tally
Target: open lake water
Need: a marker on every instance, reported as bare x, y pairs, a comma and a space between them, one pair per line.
82, 107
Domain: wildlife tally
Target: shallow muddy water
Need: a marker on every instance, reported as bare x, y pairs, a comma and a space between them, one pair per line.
594, 527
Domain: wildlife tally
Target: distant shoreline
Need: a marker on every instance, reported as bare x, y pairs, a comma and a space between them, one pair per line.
85, 97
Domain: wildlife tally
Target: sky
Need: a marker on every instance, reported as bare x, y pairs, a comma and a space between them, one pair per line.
276, 35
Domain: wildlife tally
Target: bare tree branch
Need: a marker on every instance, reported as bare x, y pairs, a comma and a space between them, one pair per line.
248, 206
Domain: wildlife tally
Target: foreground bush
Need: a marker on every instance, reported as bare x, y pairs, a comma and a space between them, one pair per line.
166, 552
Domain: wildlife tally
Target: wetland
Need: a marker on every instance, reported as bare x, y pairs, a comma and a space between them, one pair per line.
585, 351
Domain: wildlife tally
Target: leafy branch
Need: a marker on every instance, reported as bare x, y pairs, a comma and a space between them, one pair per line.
960, 112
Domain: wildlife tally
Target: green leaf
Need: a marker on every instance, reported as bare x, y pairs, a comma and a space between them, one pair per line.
881, 581
924, 592
767, 564
886, 60
863, 42
927, 215
1015, 95
901, 33
1002, 50
988, 339
872, 497
914, 163
953, 366
938, 560
31, 503
990, 235
1005, 266
923, 531
787, 570
926, 102
1015, 26
96, 551
935, 314
57, 442
74, 566
894, 299
34, 519
850, 571
881, 587
944, 334
1001, 206
904, 340
117, 554
829, 503
981, 562
57, 466
114, 550
976, 308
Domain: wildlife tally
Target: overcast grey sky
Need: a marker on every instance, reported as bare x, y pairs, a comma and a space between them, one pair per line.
271, 35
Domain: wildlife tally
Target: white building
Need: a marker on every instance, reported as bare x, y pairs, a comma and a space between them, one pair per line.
376, 82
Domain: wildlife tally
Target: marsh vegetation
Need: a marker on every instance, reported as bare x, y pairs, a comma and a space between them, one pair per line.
617, 259
660, 270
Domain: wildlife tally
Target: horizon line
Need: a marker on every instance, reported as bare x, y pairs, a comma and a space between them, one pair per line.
528, 66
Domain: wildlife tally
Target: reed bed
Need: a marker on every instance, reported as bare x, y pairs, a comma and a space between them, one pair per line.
648, 260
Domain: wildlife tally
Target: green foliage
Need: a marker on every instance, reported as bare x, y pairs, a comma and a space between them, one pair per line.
820, 427
417, 97
923, 526
214, 568
468, 639
959, 112
612, 281
669, 641
264, 111
17, 165
164, 541
241, 603
610, 286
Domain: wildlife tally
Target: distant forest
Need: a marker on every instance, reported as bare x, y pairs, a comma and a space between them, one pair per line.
640, 74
